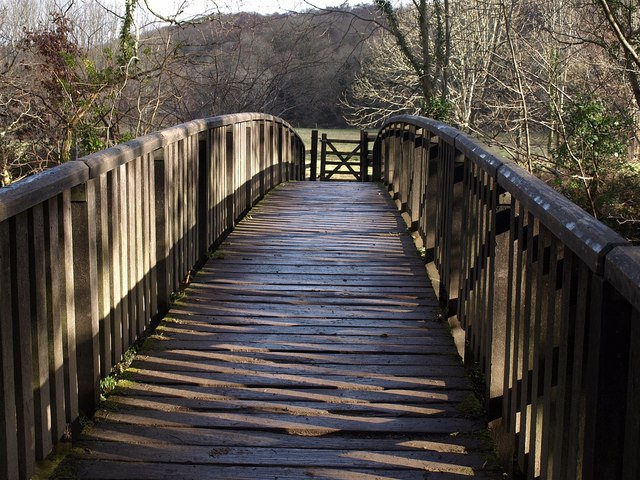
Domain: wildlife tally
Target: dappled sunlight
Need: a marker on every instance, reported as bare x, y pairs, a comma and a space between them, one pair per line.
254, 377
310, 404
299, 372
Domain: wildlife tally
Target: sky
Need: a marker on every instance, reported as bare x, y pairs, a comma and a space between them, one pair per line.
193, 8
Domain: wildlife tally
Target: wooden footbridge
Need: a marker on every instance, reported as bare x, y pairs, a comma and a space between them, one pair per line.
309, 341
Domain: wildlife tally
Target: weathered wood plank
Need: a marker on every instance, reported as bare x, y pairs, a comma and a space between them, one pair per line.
302, 358
299, 393
195, 364
305, 346
220, 438
286, 457
367, 328
237, 378
293, 407
110, 470
8, 421
293, 424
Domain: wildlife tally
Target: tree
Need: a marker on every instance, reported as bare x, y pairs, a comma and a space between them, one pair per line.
430, 58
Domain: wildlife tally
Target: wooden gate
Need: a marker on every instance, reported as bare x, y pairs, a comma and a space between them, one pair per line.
340, 159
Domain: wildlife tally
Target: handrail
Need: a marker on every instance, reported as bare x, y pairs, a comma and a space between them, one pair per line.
547, 296
91, 251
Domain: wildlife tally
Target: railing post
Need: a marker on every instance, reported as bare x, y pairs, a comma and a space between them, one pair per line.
104, 272
203, 201
22, 343
406, 167
85, 287
323, 157
299, 153
8, 415
279, 152
430, 200
377, 159
262, 160
230, 154
497, 304
416, 181
607, 373
248, 167
162, 188
364, 156
314, 156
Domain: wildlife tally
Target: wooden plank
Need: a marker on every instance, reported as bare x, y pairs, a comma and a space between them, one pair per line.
178, 363
227, 438
387, 339
104, 257
293, 407
242, 321
23, 354
331, 396
286, 457
8, 421
198, 306
40, 335
238, 377
21, 196
68, 311
85, 286
139, 273
367, 329
131, 206
327, 359
108, 470
55, 322
313, 298
305, 346
125, 266
293, 424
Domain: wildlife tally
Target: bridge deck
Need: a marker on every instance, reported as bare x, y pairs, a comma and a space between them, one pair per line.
308, 347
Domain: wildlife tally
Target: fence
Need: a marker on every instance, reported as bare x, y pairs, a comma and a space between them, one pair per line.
548, 297
352, 163
91, 251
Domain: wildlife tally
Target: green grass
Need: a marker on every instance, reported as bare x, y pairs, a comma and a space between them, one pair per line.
332, 133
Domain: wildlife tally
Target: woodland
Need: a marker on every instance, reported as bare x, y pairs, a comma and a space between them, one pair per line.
551, 84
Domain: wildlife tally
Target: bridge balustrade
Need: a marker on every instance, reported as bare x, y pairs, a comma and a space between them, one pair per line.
547, 296
91, 252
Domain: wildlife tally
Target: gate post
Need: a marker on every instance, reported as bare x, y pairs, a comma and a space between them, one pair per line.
364, 156
323, 157
313, 176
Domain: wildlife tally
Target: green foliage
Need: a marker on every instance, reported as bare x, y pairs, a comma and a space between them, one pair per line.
471, 406
127, 40
107, 385
593, 133
437, 108
591, 161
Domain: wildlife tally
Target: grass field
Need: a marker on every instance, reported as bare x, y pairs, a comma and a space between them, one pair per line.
332, 133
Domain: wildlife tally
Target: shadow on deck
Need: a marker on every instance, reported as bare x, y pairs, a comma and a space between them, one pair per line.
307, 347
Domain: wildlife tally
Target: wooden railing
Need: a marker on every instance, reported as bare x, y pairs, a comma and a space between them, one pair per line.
548, 299
91, 251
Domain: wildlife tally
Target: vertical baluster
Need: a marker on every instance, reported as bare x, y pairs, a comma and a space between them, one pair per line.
55, 261
10, 446
85, 286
